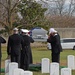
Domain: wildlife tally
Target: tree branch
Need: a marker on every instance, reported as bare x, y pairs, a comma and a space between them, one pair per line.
3, 5
3, 24
15, 5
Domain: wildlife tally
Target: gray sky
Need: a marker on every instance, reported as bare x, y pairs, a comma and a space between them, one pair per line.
67, 1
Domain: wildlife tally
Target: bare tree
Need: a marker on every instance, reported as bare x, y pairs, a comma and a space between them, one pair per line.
56, 7
7, 13
62, 13
60, 7
71, 10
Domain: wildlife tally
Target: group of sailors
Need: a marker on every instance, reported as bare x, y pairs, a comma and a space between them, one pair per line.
19, 49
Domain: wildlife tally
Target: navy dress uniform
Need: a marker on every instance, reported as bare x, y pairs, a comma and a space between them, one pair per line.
30, 51
2, 40
14, 46
26, 55
56, 48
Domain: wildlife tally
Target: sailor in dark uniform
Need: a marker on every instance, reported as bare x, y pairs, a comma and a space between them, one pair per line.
2, 40
26, 52
30, 51
56, 48
14, 46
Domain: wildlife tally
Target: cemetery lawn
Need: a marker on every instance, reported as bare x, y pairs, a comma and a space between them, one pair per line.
43, 52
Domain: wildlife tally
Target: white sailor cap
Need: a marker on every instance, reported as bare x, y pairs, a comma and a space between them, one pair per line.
15, 29
25, 30
52, 30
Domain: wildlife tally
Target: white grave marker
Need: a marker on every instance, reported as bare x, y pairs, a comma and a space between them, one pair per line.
18, 71
7, 66
54, 68
27, 73
12, 66
66, 71
45, 65
71, 61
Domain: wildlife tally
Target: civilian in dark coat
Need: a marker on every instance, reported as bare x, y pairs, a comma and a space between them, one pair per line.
15, 44
2, 40
56, 48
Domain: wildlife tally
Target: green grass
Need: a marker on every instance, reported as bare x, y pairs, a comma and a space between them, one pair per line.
39, 53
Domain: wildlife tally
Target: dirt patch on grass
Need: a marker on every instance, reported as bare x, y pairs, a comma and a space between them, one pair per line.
3, 64
63, 63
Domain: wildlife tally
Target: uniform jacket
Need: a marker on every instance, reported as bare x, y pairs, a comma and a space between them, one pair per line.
15, 44
2, 40
55, 43
31, 40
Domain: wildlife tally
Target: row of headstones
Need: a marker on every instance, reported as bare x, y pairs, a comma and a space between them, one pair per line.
11, 68
53, 68
46, 67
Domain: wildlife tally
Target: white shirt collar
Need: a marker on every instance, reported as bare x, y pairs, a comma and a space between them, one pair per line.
55, 34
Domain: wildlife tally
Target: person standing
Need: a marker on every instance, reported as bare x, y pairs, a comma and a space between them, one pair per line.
54, 39
26, 55
30, 51
14, 46
2, 40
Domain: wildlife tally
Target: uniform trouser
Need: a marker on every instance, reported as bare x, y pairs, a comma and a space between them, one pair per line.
0, 65
25, 58
30, 56
56, 57
15, 58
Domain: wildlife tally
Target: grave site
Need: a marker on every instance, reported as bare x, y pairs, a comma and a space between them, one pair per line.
42, 64
46, 67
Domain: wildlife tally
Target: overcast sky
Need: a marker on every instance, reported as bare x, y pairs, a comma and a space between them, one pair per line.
67, 1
